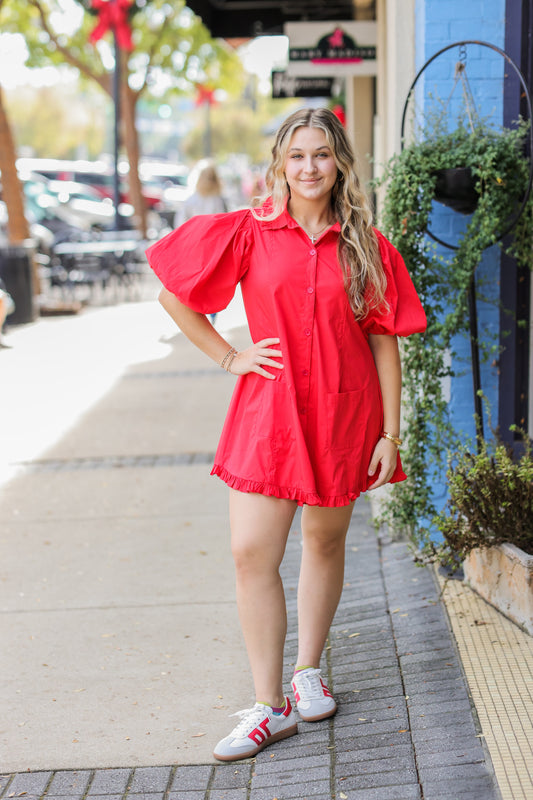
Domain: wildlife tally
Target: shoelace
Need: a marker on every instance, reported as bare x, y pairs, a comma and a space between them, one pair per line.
309, 685
250, 718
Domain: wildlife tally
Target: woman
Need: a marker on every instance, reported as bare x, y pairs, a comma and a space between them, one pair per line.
315, 416
207, 196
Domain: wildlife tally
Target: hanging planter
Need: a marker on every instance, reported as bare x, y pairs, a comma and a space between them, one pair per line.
455, 187
459, 150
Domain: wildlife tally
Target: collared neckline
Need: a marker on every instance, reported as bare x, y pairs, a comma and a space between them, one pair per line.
284, 220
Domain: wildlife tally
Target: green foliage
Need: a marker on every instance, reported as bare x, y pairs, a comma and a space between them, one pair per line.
59, 121
230, 117
173, 49
501, 173
491, 501
16, 17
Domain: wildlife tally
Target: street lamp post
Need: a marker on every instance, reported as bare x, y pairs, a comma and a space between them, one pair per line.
119, 220
113, 16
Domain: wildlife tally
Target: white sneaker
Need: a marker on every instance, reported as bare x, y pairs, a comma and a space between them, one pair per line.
258, 728
313, 698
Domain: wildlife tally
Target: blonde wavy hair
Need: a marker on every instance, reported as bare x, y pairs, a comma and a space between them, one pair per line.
208, 182
358, 251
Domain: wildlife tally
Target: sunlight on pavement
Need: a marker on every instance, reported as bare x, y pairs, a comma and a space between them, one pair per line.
59, 367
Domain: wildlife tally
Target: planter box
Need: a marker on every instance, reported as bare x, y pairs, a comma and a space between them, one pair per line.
503, 575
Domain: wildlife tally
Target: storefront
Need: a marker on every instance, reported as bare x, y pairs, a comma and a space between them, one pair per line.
377, 47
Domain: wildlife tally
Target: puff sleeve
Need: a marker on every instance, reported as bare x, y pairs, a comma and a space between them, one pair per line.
204, 259
405, 314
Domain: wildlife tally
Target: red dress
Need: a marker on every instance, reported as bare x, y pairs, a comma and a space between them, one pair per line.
309, 434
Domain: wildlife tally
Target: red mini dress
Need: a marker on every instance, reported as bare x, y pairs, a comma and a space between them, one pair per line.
309, 434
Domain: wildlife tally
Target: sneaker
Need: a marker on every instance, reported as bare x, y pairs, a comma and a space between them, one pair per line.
258, 728
313, 698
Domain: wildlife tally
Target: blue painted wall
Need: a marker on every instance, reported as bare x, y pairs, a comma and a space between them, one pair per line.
439, 23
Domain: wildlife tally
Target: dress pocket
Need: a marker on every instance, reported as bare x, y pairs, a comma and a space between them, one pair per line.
274, 415
346, 420
274, 433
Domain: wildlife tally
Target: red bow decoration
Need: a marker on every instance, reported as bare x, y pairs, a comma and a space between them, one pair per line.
205, 94
340, 114
113, 16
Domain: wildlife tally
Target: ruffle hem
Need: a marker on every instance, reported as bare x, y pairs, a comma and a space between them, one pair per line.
283, 492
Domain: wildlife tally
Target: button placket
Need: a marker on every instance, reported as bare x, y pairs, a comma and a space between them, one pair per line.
309, 317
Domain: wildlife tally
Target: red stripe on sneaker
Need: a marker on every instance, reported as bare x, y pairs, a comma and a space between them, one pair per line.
261, 733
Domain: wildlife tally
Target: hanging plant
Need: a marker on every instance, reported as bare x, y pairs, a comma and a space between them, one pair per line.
500, 173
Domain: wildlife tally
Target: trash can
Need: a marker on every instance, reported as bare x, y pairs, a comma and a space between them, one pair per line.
16, 270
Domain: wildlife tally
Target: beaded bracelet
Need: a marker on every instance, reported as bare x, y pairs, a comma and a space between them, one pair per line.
230, 361
229, 355
395, 439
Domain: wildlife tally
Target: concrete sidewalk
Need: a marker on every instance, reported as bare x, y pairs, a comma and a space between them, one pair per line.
122, 655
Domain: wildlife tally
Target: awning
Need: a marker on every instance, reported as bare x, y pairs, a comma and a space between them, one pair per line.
230, 19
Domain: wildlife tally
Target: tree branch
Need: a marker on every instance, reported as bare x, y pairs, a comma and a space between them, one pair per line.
153, 49
103, 81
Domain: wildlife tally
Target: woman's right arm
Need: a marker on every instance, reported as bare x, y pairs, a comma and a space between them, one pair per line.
201, 333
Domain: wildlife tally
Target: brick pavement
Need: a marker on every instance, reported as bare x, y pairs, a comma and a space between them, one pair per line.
405, 729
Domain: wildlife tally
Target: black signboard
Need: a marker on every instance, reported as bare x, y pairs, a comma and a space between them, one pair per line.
285, 85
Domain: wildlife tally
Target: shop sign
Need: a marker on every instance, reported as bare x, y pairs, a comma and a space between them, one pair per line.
334, 48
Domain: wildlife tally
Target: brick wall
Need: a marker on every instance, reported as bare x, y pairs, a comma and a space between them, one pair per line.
439, 23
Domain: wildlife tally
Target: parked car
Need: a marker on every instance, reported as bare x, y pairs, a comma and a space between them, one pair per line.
75, 204
97, 174
87, 204
168, 182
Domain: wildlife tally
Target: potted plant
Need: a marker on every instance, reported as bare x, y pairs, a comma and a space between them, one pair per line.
488, 525
500, 169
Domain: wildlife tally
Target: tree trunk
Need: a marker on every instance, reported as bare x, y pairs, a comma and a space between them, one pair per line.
128, 131
130, 139
17, 226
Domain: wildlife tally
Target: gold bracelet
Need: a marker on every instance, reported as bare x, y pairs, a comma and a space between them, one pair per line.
230, 361
228, 354
395, 439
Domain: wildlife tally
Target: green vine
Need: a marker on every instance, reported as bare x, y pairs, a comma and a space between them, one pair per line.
501, 173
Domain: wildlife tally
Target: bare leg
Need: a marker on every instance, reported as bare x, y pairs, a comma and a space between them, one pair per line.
259, 529
321, 577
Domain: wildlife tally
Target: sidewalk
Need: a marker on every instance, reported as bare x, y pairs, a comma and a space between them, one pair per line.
122, 653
